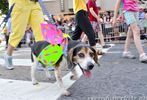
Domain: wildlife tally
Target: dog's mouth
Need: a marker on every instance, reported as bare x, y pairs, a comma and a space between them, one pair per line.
87, 73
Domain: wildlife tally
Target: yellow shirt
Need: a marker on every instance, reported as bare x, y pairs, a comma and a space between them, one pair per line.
79, 5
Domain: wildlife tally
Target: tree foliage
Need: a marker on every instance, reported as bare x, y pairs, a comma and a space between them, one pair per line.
4, 6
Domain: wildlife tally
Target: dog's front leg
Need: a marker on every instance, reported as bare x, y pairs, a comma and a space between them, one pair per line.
60, 82
33, 70
74, 76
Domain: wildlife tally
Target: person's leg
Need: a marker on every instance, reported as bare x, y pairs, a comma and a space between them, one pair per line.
128, 40
19, 19
132, 19
96, 29
127, 53
7, 39
101, 36
137, 41
77, 33
35, 21
85, 25
136, 34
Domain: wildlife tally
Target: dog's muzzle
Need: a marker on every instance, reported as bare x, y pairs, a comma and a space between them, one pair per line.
90, 66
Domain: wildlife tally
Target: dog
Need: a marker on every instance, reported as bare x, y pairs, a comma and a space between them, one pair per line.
77, 54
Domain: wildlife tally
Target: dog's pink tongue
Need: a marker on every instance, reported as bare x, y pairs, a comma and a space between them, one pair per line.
87, 73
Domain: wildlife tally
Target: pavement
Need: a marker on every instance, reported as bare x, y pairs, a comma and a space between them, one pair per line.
116, 78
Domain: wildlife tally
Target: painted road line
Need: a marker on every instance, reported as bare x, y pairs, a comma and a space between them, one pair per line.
18, 62
22, 90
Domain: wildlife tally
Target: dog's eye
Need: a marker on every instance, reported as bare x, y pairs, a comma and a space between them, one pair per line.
91, 54
81, 55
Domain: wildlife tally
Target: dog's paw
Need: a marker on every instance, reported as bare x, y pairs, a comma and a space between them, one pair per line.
73, 77
66, 93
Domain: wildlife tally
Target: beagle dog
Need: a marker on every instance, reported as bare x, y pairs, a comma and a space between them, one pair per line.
78, 54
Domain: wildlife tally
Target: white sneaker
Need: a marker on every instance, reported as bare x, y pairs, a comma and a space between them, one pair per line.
128, 55
143, 58
8, 62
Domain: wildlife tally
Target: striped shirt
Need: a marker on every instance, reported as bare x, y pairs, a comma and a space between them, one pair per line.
130, 5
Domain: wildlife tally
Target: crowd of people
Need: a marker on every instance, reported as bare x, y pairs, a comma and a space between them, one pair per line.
68, 26
88, 21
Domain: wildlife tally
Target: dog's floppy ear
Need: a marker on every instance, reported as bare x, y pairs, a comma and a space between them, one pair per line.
95, 55
70, 60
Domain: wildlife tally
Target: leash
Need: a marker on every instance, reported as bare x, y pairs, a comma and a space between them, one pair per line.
5, 20
45, 11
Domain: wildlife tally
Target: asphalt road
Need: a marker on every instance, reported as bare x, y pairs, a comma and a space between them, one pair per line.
117, 79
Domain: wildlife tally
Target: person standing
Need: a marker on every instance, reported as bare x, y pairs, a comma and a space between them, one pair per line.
82, 22
130, 10
95, 21
24, 12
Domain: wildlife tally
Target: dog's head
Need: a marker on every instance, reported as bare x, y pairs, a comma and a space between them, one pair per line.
83, 56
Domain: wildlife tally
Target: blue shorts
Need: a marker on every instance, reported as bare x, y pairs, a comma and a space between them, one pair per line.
131, 17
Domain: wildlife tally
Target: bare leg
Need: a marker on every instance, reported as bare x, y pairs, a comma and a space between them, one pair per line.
10, 50
100, 34
136, 34
128, 40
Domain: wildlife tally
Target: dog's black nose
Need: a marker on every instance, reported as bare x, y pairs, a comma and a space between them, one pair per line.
90, 66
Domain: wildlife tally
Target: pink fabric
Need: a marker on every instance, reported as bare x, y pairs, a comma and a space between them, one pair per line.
51, 33
130, 5
54, 36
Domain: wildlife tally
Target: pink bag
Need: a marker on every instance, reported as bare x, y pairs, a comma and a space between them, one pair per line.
51, 34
